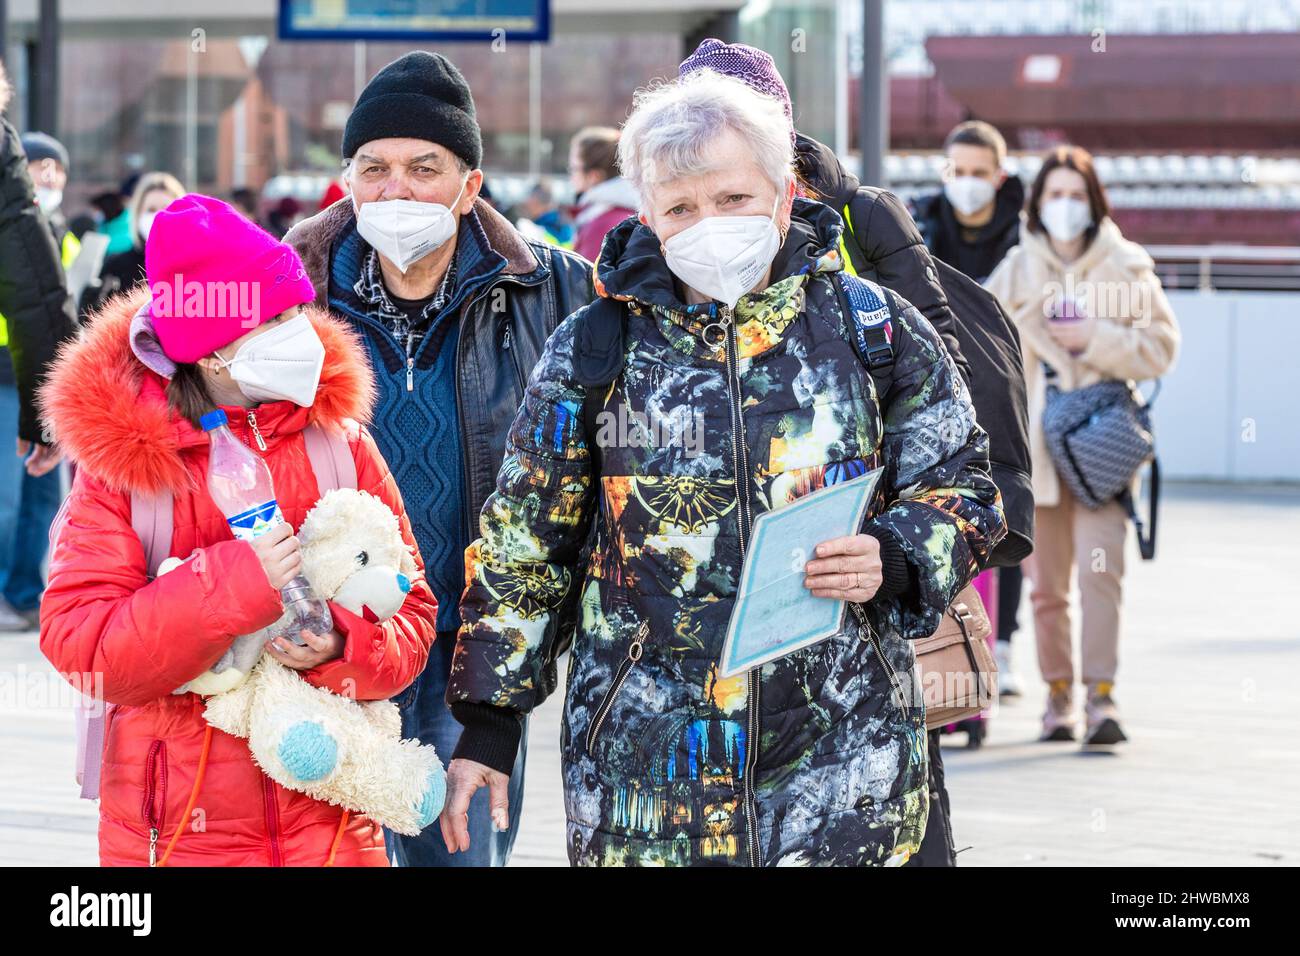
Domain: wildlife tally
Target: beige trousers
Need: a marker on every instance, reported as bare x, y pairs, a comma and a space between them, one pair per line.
1069, 536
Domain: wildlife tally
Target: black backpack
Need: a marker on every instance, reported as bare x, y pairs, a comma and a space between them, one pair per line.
991, 346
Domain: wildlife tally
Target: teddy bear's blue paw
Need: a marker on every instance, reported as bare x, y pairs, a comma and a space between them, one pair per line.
308, 751
434, 796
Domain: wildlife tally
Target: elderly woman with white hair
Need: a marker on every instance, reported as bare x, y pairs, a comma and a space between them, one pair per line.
726, 331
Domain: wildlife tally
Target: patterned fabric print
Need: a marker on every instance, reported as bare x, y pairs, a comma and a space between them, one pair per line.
654, 746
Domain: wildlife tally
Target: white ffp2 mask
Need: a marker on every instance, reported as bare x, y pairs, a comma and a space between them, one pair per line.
404, 231
724, 257
48, 199
969, 194
1064, 218
281, 364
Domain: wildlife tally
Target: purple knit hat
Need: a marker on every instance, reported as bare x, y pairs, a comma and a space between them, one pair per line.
752, 66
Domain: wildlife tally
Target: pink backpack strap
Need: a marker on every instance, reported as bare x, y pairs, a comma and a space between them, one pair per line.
151, 518
331, 458
91, 718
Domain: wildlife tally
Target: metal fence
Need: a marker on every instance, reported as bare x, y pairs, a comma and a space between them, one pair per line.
1228, 268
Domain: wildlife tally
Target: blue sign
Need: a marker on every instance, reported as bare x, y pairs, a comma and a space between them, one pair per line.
447, 20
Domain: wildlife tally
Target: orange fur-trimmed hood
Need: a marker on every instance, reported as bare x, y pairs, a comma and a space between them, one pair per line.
109, 412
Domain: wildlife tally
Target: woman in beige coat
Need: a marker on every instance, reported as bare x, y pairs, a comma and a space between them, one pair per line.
1087, 303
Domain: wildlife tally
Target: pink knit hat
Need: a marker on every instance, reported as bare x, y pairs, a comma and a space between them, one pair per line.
214, 276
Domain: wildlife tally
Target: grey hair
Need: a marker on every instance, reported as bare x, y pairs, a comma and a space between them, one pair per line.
671, 125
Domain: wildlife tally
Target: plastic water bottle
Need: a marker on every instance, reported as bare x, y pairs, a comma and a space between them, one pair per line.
240, 485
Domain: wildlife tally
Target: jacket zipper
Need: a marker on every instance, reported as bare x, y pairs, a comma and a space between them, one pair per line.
410, 365
272, 820
257, 434
740, 462
634, 651
155, 796
514, 359
867, 634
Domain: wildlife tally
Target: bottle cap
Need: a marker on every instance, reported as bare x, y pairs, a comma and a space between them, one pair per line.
213, 419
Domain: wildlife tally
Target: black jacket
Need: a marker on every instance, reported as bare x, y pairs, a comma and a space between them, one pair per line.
985, 345
542, 286
978, 253
881, 240
33, 292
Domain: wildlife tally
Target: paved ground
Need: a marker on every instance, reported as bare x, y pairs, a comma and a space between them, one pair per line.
1212, 641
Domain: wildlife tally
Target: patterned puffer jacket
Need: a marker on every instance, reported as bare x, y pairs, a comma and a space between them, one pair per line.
816, 758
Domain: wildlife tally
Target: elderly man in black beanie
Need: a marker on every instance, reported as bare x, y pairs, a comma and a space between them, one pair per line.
454, 306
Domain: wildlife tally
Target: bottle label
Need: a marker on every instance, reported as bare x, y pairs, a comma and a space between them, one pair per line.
255, 521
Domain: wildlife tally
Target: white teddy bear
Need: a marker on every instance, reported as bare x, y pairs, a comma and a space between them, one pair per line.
345, 752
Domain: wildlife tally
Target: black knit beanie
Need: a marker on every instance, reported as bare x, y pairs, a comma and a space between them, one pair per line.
420, 95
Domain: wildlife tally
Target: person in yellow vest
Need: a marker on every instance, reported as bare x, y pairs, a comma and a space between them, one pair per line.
35, 316
47, 164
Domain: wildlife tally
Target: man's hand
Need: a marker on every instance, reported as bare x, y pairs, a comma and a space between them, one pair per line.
44, 460
464, 777
320, 649
845, 569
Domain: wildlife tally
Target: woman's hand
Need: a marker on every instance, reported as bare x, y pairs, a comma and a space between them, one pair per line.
320, 649
1073, 336
845, 569
280, 554
464, 777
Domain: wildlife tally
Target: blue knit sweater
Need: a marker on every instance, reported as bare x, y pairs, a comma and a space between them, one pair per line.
418, 429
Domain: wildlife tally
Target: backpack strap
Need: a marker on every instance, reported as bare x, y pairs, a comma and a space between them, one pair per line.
871, 312
331, 458
598, 354
151, 519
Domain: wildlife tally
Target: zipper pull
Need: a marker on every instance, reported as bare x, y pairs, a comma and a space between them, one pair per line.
635, 649
715, 333
865, 631
252, 423
410, 374
505, 342
153, 846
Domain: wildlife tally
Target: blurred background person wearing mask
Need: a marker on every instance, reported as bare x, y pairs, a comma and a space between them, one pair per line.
976, 218
604, 197
36, 314
540, 218
125, 270
1088, 304
47, 164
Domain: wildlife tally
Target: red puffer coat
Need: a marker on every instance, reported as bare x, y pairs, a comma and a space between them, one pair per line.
101, 615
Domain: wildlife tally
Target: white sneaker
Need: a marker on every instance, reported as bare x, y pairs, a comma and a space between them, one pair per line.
1008, 682
11, 622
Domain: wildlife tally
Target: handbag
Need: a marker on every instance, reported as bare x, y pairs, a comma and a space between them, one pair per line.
1098, 437
959, 677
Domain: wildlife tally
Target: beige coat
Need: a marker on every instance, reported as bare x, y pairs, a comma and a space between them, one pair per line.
1114, 281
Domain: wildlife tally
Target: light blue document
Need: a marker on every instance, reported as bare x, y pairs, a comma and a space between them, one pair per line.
774, 613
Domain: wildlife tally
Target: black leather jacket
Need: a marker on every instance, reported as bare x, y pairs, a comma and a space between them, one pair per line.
540, 286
